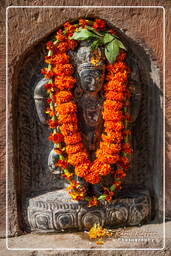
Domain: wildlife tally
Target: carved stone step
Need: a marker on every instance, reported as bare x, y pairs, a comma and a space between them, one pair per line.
56, 212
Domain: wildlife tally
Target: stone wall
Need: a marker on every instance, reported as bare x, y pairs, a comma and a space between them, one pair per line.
29, 26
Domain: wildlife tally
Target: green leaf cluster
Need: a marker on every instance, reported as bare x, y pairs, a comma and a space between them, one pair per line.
102, 197
83, 34
110, 42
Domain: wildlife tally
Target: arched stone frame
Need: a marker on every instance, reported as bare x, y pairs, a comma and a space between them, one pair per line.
29, 147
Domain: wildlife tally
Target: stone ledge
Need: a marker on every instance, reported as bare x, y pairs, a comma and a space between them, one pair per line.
129, 238
56, 212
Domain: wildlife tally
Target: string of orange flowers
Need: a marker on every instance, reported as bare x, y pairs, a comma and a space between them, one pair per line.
114, 145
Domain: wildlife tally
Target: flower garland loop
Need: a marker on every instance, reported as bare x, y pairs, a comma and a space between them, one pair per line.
114, 146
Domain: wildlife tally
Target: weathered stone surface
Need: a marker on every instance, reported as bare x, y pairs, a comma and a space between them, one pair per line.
147, 236
56, 212
30, 27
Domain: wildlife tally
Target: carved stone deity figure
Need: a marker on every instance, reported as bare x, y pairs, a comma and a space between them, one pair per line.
89, 97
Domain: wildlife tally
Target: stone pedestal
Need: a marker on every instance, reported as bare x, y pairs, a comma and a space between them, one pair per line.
56, 212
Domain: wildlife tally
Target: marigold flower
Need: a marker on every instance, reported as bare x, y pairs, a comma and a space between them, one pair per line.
93, 201
77, 195
117, 184
69, 27
112, 105
64, 82
56, 138
119, 174
75, 138
121, 56
49, 100
50, 112
112, 137
50, 46
82, 169
52, 124
47, 73
110, 115
60, 36
118, 66
114, 125
68, 118
108, 194
64, 69
112, 95
121, 76
71, 149
99, 24
78, 158
92, 178
114, 85
68, 129
124, 166
98, 232
124, 160
66, 108
68, 175
62, 46
126, 148
110, 148
105, 169
72, 44
60, 58
106, 158
96, 165
48, 86
48, 59
62, 163
73, 185
63, 97
83, 22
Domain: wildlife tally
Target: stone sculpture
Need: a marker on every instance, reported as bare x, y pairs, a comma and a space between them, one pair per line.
55, 211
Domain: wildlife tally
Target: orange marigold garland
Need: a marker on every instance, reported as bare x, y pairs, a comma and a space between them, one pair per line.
114, 146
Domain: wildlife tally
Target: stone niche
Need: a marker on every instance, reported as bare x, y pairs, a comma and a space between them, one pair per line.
42, 202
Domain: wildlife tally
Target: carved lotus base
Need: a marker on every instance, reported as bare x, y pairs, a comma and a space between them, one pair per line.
56, 212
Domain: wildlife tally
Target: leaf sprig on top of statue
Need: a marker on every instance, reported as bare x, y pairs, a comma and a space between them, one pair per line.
110, 42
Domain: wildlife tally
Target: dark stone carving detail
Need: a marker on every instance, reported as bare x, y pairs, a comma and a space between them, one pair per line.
50, 213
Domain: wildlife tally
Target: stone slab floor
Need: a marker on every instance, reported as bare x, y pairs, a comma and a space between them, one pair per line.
147, 236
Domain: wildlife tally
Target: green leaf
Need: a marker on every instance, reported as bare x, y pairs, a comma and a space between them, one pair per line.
111, 51
102, 197
61, 157
65, 171
83, 34
107, 38
120, 44
95, 45
95, 31
112, 188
